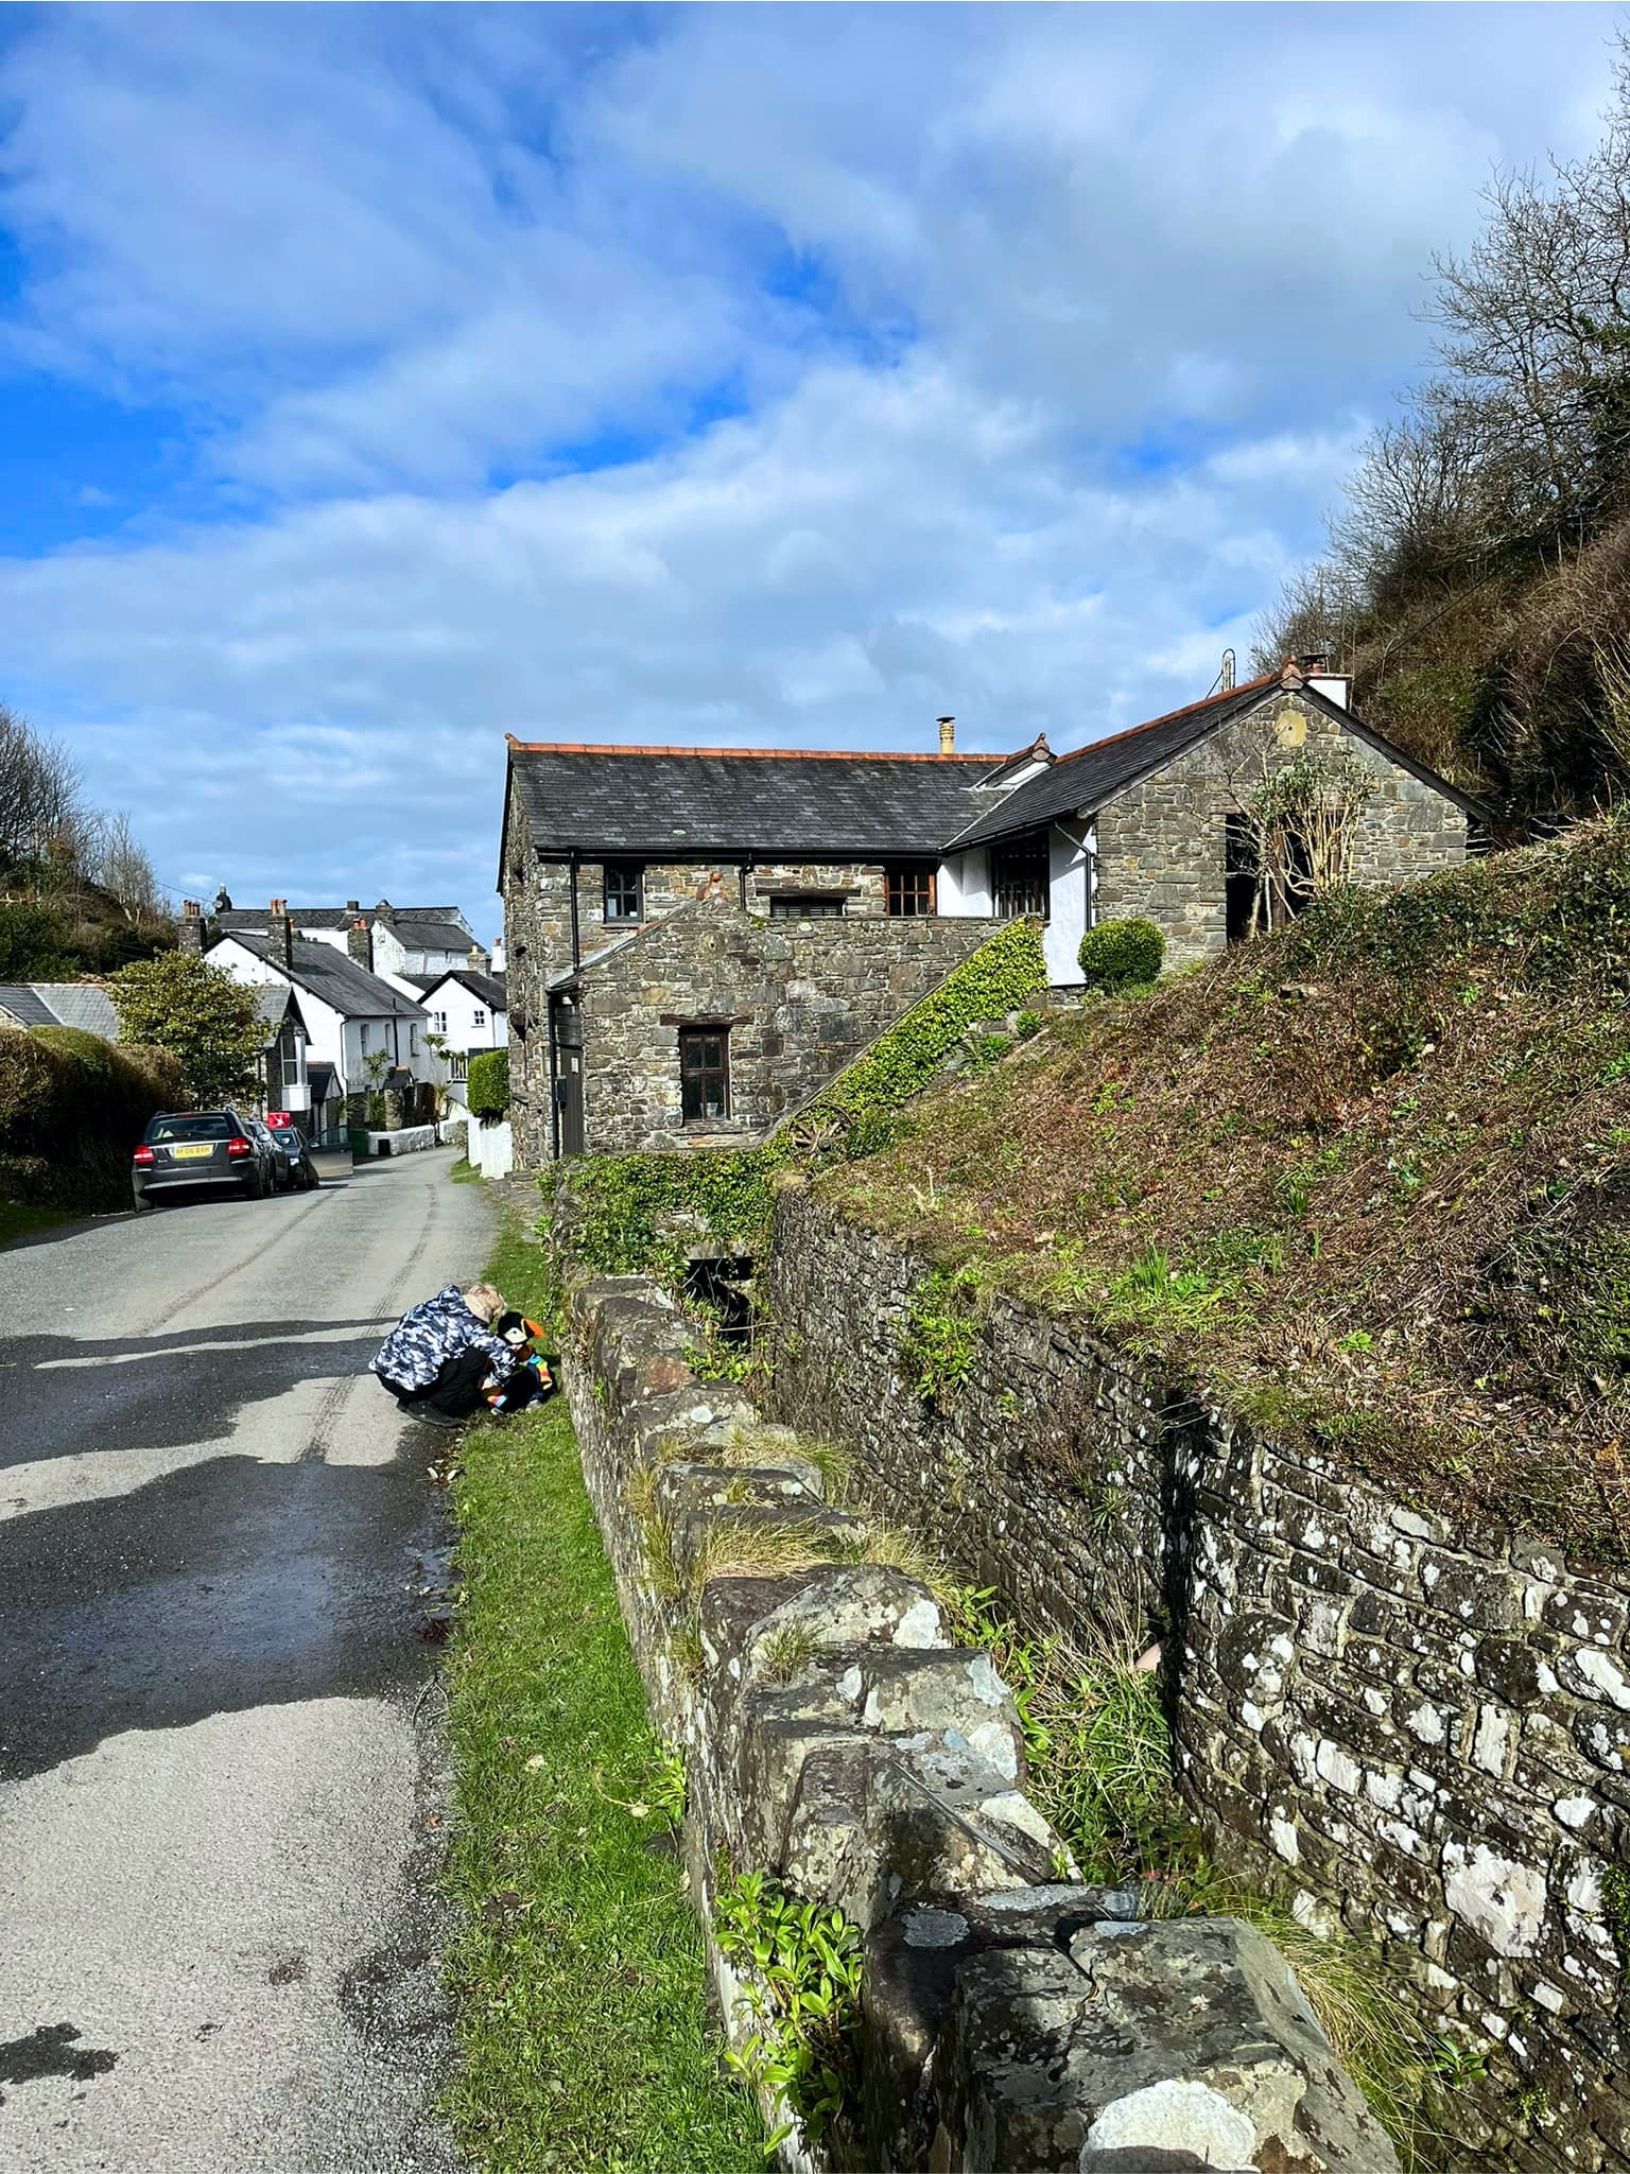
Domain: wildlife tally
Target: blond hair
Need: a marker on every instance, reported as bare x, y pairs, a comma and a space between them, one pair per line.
484, 1302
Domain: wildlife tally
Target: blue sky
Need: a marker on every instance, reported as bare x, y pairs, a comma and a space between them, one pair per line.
377, 381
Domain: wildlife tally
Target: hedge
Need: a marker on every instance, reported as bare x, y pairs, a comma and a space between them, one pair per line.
488, 1091
72, 1107
628, 1213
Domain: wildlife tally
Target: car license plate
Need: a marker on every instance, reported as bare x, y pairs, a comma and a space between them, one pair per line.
192, 1154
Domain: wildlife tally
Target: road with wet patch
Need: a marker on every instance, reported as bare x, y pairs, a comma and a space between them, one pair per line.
221, 1786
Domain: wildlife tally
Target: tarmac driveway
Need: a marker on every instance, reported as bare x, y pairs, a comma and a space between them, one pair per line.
220, 1794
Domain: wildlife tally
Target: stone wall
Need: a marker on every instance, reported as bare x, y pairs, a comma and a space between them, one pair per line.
775, 1060
1424, 1732
802, 1000
1161, 843
837, 1741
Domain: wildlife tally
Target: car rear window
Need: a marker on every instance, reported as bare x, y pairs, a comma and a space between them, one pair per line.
190, 1128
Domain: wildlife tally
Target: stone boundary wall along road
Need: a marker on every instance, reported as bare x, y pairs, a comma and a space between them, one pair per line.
1425, 1733
836, 1740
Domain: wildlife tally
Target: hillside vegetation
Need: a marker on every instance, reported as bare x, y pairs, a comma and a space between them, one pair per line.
1366, 1183
1477, 577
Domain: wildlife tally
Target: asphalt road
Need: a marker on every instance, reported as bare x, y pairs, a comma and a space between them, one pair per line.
220, 1780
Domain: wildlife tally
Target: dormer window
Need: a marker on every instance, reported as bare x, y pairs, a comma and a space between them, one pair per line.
625, 892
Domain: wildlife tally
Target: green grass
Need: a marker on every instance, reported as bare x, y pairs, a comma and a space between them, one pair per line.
16, 1221
464, 1172
578, 1967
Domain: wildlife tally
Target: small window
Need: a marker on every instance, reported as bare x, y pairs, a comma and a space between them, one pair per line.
704, 1073
910, 891
625, 891
806, 906
367, 1036
1018, 878
438, 1022
479, 1017
413, 1040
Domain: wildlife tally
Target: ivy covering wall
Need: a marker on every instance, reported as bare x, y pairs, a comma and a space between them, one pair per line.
627, 1214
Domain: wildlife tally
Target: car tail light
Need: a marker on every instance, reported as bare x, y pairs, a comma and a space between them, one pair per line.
237, 1149
144, 1155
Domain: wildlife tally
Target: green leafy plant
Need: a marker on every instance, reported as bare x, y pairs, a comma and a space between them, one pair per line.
210, 1024
801, 1964
940, 1336
487, 1091
1120, 955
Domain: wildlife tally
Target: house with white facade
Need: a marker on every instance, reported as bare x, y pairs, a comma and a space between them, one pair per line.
468, 1011
402, 944
362, 1032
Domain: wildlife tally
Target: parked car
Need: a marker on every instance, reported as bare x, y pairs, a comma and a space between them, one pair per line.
296, 1155
264, 1137
183, 1150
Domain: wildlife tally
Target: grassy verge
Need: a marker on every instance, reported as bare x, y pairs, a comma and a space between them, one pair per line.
16, 1221
464, 1172
578, 1968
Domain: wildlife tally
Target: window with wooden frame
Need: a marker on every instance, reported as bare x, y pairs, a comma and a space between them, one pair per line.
909, 890
1018, 877
806, 906
625, 891
704, 1073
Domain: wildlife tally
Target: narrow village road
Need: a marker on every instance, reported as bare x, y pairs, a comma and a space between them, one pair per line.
217, 1796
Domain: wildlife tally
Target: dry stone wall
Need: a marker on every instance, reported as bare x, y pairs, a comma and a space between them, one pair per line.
835, 1739
1426, 1733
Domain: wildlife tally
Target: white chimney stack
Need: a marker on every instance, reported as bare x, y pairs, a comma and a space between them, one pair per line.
947, 727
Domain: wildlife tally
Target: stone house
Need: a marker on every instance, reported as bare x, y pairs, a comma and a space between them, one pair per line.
698, 938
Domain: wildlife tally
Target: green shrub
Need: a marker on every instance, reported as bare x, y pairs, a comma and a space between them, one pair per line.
1120, 955
72, 1107
34, 941
488, 1090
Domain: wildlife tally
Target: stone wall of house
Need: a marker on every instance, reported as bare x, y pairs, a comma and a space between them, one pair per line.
538, 939
1161, 843
801, 1000
1424, 1731
837, 1741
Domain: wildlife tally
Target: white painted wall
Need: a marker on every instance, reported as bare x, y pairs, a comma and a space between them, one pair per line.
492, 1147
963, 888
1069, 860
464, 1030
331, 1038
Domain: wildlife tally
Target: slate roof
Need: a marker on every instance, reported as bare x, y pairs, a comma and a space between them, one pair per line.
235, 919
84, 1004
673, 802
23, 1008
1081, 782
488, 987
335, 977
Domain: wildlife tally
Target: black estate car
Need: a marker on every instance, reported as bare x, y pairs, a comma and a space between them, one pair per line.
202, 1148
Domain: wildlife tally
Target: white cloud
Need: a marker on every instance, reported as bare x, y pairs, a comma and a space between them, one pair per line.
1047, 336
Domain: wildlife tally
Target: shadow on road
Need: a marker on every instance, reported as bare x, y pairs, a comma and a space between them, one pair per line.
226, 1585
154, 1392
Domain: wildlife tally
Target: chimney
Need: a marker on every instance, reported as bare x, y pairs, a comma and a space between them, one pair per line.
1225, 678
353, 905
357, 943
190, 935
280, 933
480, 962
1290, 677
947, 727
385, 912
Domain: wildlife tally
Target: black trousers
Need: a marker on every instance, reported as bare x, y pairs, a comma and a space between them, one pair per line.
456, 1391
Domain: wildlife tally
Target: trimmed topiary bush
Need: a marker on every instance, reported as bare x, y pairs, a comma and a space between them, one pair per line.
1120, 955
488, 1090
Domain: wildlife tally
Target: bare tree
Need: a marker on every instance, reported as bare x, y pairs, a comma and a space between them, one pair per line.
120, 865
41, 814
